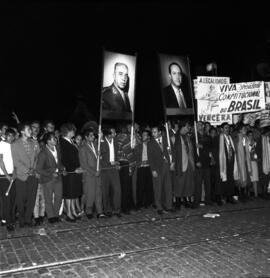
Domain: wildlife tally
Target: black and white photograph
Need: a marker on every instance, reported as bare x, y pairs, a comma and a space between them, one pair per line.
110, 167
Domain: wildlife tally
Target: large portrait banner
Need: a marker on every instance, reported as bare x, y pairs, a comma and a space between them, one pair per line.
176, 85
118, 86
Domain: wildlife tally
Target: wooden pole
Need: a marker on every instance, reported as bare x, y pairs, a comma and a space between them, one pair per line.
132, 132
168, 141
100, 115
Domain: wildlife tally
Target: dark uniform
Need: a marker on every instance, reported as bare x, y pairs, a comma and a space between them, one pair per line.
113, 100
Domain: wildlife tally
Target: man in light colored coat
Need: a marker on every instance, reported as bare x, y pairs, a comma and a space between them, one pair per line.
24, 153
91, 178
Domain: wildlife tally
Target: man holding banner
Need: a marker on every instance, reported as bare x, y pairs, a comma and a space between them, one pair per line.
117, 103
7, 189
110, 179
160, 164
228, 166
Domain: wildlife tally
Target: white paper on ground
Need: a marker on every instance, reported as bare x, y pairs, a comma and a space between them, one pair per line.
211, 215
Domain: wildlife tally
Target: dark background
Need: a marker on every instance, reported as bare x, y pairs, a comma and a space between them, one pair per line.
51, 51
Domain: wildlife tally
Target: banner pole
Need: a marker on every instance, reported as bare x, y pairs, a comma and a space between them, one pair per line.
9, 187
196, 137
132, 136
132, 132
165, 113
194, 108
99, 141
100, 114
168, 141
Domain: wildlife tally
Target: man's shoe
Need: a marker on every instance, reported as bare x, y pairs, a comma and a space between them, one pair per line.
77, 217
108, 214
101, 215
56, 219
89, 215
160, 212
177, 206
28, 224
51, 220
70, 219
10, 227
41, 220
219, 203
37, 221
172, 210
231, 201
187, 204
118, 214
194, 205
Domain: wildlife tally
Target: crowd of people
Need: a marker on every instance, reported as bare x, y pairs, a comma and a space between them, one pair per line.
62, 174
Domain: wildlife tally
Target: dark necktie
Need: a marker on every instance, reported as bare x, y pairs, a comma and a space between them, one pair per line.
127, 103
160, 144
230, 150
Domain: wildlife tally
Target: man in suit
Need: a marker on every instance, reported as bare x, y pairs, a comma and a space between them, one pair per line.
115, 97
50, 168
144, 186
24, 154
202, 172
91, 178
161, 164
110, 180
177, 95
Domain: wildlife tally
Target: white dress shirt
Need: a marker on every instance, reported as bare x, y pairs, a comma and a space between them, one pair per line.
111, 147
91, 145
54, 153
5, 152
69, 140
180, 97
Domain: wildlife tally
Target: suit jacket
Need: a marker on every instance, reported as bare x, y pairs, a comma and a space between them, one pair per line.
113, 101
204, 157
88, 159
46, 164
105, 153
70, 155
178, 152
156, 155
171, 100
23, 161
178, 155
138, 153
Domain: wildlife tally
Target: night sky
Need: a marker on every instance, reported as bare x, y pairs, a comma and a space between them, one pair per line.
51, 51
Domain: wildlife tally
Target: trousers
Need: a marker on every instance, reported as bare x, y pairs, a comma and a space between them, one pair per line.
25, 198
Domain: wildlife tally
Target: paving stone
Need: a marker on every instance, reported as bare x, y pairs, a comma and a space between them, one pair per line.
235, 244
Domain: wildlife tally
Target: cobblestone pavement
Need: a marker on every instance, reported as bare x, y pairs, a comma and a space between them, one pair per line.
181, 244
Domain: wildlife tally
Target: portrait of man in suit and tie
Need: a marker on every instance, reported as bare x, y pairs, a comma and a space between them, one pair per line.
177, 95
118, 85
